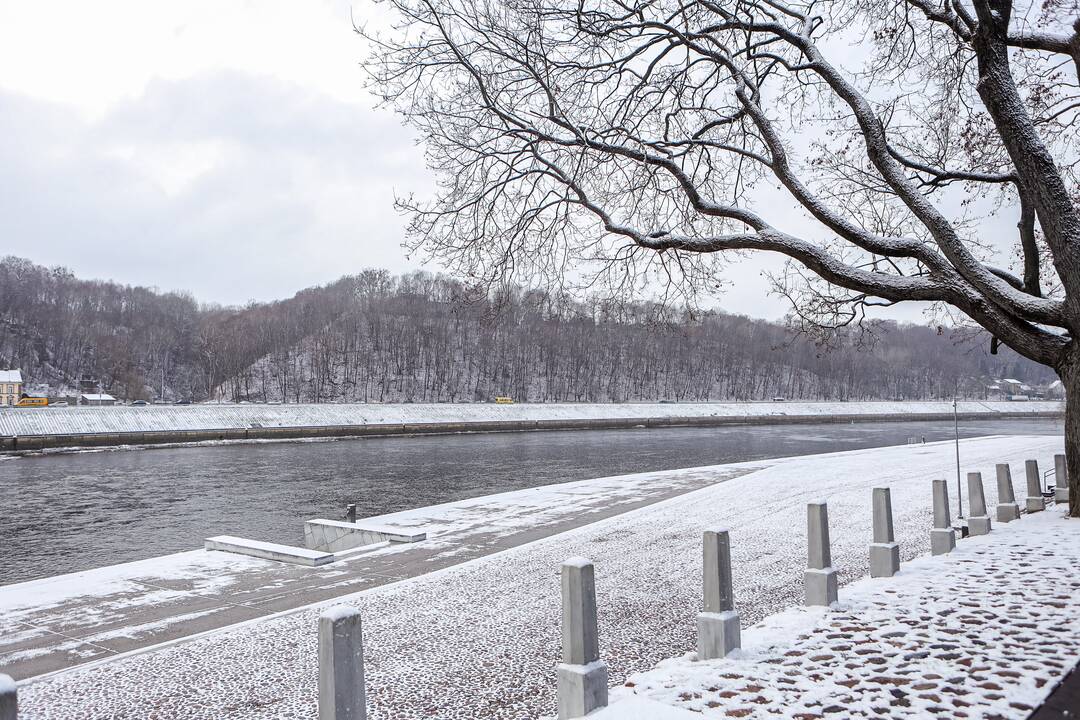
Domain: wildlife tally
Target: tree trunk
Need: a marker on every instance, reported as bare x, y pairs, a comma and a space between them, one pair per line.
1069, 373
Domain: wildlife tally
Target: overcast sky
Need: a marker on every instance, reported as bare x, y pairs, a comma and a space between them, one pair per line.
225, 147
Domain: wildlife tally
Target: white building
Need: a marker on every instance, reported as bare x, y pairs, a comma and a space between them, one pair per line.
96, 399
1011, 386
11, 384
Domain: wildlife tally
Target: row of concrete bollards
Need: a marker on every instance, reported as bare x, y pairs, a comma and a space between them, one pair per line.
582, 686
943, 536
583, 675
9, 699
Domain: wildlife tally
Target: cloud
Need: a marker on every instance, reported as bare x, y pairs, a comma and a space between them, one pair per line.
231, 185
228, 148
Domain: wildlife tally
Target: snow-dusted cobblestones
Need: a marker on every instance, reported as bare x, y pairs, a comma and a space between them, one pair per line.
481, 639
985, 632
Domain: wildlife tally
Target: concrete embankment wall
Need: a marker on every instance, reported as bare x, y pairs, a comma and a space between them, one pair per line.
34, 429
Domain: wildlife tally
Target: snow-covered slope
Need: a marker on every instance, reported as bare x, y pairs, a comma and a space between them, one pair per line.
68, 420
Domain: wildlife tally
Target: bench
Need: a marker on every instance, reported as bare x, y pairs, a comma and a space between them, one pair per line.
269, 550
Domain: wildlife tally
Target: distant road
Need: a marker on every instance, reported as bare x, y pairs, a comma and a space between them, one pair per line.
26, 429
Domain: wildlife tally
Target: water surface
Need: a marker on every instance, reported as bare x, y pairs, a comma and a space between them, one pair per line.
76, 511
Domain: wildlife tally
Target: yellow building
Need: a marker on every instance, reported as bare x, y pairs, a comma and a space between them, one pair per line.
11, 384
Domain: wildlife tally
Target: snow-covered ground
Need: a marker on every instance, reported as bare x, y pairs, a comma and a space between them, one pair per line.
69, 420
481, 639
986, 631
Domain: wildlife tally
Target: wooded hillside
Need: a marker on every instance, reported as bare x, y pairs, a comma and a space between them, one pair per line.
427, 338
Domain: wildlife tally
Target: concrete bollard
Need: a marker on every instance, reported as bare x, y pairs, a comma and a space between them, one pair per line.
1007, 509
884, 551
1034, 501
9, 699
342, 695
582, 676
978, 520
820, 578
942, 537
1061, 480
718, 625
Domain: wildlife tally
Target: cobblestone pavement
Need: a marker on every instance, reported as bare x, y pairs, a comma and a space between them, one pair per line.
481, 639
985, 632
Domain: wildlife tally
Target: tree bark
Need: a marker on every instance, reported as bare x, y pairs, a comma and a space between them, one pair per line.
1069, 372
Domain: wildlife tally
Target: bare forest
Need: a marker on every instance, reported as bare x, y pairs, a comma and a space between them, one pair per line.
374, 337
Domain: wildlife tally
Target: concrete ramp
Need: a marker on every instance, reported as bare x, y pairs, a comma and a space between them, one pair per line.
335, 536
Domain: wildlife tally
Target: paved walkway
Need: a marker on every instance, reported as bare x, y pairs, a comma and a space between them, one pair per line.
480, 639
1064, 701
984, 632
57, 623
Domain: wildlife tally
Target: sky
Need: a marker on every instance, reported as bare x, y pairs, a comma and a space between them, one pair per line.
224, 148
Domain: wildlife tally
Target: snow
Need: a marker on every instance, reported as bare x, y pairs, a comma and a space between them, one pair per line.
577, 562
70, 420
987, 631
639, 708
10, 376
202, 571
481, 639
339, 613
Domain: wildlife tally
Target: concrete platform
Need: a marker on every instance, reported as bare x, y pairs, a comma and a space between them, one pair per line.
269, 551
335, 535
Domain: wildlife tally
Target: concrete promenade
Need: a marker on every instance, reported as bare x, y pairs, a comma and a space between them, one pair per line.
480, 639
23, 430
59, 622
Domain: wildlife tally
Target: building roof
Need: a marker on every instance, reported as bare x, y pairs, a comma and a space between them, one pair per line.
11, 376
97, 396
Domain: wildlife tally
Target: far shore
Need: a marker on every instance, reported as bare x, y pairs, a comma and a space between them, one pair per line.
39, 429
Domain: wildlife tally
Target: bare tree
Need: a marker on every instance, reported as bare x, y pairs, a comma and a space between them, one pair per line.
610, 141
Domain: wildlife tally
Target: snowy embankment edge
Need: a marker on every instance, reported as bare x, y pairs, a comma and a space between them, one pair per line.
45, 428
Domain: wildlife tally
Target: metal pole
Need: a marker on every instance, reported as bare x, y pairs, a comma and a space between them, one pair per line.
956, 430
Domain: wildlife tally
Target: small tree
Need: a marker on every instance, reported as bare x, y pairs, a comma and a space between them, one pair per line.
613, 140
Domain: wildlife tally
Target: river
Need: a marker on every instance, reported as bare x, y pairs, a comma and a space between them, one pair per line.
74, 511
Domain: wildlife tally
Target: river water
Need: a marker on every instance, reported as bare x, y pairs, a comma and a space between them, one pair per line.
75, 511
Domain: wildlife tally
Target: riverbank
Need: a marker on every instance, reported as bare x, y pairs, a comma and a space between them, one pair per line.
64, 621
479, 639
39, 429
